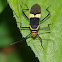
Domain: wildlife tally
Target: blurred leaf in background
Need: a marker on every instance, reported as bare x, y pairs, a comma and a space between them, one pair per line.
7, 33
3, 4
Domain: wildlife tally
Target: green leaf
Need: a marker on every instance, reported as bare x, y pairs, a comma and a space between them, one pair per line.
52, 48
3, 4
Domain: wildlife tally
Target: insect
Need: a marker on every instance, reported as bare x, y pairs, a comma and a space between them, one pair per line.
34, 21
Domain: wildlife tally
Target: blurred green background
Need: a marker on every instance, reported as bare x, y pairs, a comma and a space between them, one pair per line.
9, 33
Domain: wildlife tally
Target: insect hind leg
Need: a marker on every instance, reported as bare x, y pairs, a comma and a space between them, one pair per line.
20, 41
41, 40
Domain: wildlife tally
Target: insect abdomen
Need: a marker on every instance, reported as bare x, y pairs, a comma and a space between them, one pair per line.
34, 22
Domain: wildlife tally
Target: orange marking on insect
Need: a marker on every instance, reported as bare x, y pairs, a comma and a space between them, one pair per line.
33, 34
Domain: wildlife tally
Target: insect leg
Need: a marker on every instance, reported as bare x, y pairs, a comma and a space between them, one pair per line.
16, 42
24, 27
45, 27
19, 41
42, 28
41, 40
27, 36
49, 25
39, 27
44, 33
24, 12
46, 16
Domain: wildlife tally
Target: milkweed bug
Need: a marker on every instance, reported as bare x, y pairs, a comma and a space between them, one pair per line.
34, 21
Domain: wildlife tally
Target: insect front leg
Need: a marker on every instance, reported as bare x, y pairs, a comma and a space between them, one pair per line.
46, 16
24, 12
